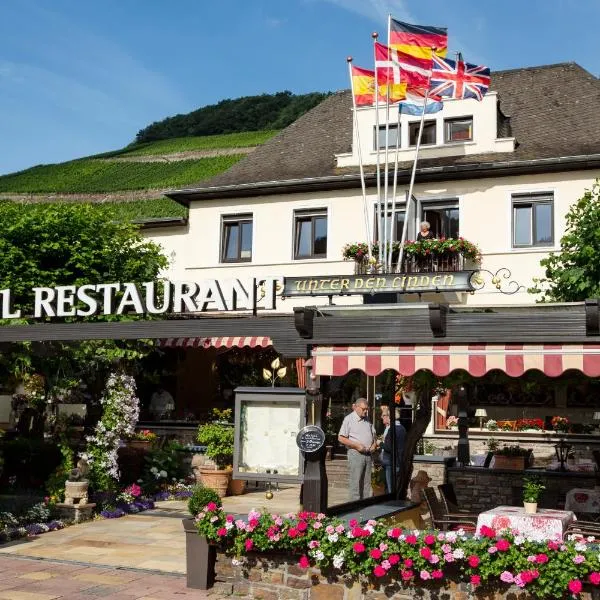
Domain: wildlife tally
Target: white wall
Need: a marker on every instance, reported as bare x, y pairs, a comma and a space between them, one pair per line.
485, 219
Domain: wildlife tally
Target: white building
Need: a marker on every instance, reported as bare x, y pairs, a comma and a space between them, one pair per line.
501, 173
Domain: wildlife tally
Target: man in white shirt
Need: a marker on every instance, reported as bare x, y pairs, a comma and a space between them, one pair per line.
358, 435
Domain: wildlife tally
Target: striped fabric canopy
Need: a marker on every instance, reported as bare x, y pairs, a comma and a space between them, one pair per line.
476, 359
215, 342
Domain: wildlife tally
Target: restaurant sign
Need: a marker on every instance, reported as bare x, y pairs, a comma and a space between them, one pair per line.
401, 283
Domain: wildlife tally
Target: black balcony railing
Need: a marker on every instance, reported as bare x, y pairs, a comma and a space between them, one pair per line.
448, 262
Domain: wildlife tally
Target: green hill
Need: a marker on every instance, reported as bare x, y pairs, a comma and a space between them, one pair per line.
176, 152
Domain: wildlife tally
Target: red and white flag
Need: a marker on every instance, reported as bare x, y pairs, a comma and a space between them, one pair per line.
394, 66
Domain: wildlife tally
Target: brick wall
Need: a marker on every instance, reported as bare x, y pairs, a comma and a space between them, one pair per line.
269, 577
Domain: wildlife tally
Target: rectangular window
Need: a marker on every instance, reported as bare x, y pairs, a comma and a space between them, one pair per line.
533, 220
398, 222
310, 234
442, 218
458, 130
393, 133
428, 135
236, 238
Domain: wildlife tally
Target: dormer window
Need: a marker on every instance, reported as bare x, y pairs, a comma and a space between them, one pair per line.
458, 130
393, 133
428, 136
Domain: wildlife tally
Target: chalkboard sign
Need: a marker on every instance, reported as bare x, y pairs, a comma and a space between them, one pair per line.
310, 438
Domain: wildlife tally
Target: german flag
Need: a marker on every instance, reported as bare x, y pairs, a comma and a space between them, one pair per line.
363, 88
418, 40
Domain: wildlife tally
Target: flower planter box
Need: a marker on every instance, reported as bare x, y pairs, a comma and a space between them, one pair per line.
510, 463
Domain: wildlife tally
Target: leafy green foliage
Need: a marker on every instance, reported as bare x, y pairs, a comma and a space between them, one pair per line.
141, 210
200, 497
532, 489
217, 436
92, 175
207, 142
55, 485
250, 113
162, 467
573, 274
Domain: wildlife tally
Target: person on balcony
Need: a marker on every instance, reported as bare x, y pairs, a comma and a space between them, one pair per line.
358, 435
425, 232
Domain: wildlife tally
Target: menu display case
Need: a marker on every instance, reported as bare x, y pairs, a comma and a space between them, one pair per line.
267, 421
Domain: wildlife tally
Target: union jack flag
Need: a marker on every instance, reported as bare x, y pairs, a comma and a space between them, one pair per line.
458, 79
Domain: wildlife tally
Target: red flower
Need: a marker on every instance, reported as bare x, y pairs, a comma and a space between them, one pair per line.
375, 553
253, 523
406, 574
358, 547
474, 561
575, 586
475, 579
488, 532
552, 546
379, 571
595, 578
429, 539
353, 523
304, 563
211, 506
411, 539
293, 532
302, 526
425, 553
408, 563
540, 559
437, 574
221, 532
502, 545
393, 559
248, 545
395, 533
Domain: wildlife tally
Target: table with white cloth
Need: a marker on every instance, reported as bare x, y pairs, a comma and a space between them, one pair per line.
582, 500
545, 524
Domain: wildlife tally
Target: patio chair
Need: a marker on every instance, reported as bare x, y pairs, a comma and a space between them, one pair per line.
450, 502
440, 519
583, 528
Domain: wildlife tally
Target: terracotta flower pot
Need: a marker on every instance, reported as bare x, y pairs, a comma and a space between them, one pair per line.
237, 487
217, 480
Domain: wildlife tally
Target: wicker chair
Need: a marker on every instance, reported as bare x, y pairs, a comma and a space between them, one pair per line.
583, 528
441, 519
450, 502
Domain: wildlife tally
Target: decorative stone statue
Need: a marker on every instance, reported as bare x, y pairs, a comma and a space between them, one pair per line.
76, 486
198, 462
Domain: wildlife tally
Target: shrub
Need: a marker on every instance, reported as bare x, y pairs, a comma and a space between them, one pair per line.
200, 497
217, 435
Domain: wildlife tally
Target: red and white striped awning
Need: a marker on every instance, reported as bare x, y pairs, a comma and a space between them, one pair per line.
216, 342
513, 359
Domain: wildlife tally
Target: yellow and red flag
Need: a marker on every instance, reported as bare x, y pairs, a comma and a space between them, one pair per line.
418, 40
363, 88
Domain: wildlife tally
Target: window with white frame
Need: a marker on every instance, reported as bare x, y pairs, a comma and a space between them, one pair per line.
428, 137
392, 136
532, 220
310, 234
397, 222
236, 238
458, 130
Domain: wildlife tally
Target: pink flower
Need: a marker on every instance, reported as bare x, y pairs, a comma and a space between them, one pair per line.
248, 545
406, 574
503, 545
293, 532
329, 529
221, 532
379, 571
492, 550
317, 525
229, 518
475, 579
552, 546
578, 559
473, 561
429, 539
353, 523
507, 577
375, 553
540, 559
411, 539
575, 586
314, 544
394, 533
395, 559
304, 563
211, 506
339, 528
449, 557
386, 565
424, 575
358, 547
408, 563
446, 548
437, 574
518, 581
434, 559
425, 553
383, 547
595, 578
302, 526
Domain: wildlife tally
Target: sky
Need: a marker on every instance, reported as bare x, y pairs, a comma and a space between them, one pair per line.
79, 78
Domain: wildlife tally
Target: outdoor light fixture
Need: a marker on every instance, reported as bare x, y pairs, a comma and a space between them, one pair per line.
562, 453
481, 413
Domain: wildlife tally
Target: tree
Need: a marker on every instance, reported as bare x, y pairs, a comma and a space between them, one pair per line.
573, 274
69, 244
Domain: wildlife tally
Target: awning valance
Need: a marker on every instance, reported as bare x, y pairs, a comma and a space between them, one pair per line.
513, 359
216, 342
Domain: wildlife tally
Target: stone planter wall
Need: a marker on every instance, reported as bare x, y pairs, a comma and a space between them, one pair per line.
277, 577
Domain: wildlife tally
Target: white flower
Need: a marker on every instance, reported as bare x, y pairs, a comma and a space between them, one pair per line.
163, 473
458, 553
519, 539
333, 537
580, 547
338, 560
319, 555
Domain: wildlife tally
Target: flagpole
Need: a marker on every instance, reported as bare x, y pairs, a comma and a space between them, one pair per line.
385, 178
414, 168
360, 162
375, 35
394, 189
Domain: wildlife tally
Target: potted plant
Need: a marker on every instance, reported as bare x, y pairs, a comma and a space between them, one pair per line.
532, 488
143, 439
217, 437
452, 422
560, 424
511, 458
530, 425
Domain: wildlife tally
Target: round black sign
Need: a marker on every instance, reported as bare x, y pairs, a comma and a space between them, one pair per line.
310, 438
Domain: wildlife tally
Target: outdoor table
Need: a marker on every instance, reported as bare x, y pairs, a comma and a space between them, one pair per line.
583, 500
546, 524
